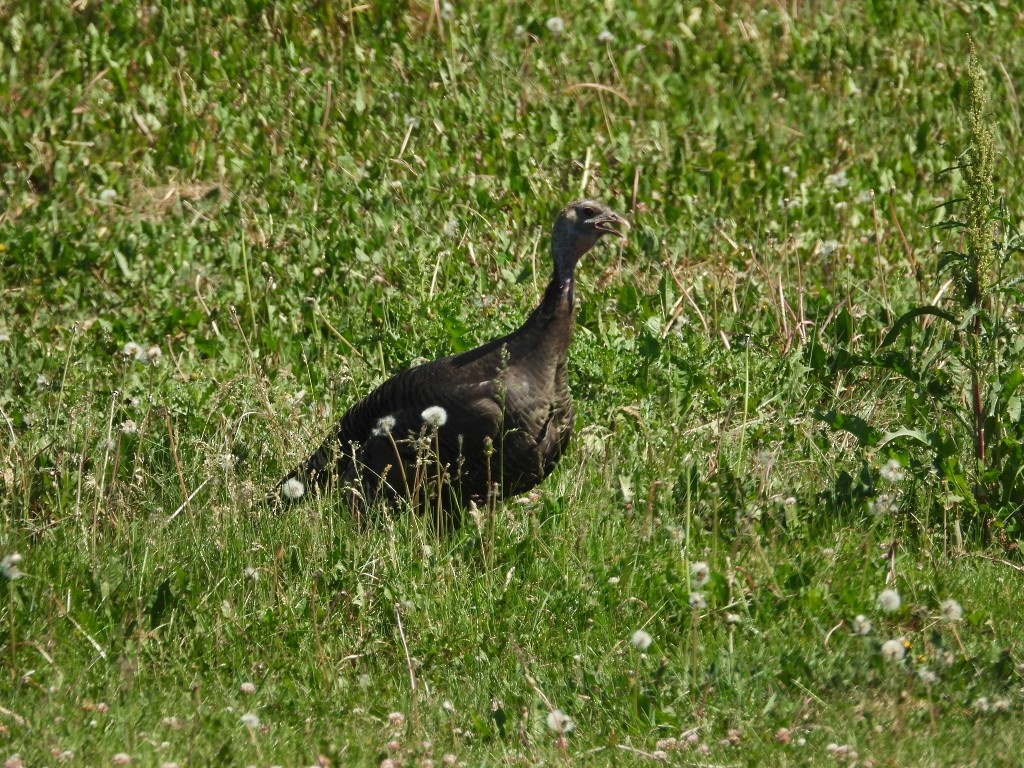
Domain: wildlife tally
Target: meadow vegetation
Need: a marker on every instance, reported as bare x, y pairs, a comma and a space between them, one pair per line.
787, 530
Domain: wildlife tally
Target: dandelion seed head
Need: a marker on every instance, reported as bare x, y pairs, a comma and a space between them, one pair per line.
1001, 704
828, 248
384, 425
700, 574
889, 600
641, 640
613, 580
250, 720
434, 416
42, 381
605, 37
981, 704
132, 350
559, 722
108, 196
892, 471
893, 650
129, 427
837, 180
862, 625
153, 354
9, 566
951, 610
251, 574
293, 489
555, 25
926, 676
697, 601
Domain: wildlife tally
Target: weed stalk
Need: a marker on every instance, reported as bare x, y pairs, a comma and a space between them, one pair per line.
976, 278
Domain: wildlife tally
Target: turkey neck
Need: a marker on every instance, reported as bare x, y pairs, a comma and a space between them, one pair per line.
545, 334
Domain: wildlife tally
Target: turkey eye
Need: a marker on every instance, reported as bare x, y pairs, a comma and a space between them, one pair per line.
588, 212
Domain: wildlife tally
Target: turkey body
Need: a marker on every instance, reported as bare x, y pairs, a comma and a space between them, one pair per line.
490, 422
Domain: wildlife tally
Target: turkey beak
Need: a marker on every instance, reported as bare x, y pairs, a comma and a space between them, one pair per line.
611, 224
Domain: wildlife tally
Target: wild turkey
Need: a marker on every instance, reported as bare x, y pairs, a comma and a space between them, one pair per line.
498, 417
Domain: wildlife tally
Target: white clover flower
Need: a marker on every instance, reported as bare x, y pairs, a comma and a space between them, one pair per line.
893, 650
396, 719
605, 37
889, 600
9, 566
641, 640
861, 625
252, 574
980, 704
926, 676
951, 610
697, 601
293, 489
448, 707
247, 688
700, 574
559, 722
129, 427
108, 196
613, 580
251, 720
121, 758
555, 25
892, 472
384, 426
434, 416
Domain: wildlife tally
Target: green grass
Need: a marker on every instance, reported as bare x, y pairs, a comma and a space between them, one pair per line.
294, 201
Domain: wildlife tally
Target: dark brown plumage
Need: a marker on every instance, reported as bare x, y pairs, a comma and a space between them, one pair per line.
498, 416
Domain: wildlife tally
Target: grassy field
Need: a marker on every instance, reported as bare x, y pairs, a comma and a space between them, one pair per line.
223, 222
